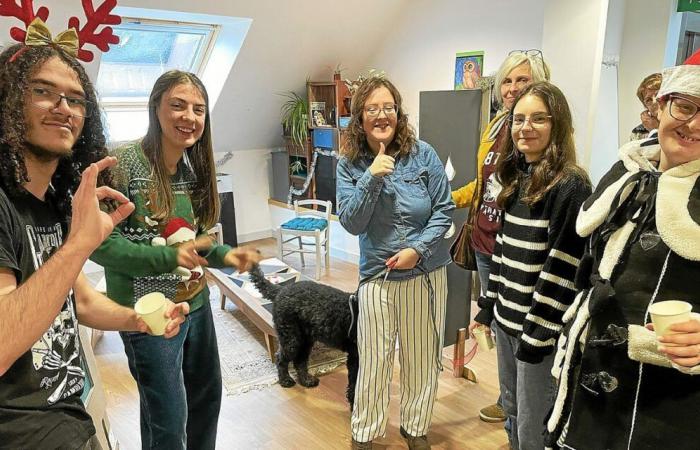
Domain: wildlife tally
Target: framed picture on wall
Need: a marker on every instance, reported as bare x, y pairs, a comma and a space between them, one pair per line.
468, 70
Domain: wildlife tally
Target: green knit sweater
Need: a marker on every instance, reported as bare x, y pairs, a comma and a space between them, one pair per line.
134, 267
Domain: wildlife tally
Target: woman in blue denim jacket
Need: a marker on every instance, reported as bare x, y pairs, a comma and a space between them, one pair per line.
394, 194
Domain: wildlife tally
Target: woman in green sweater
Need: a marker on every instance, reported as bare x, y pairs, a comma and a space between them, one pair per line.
169, 176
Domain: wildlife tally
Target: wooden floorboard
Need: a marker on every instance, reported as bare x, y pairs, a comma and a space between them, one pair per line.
299, 418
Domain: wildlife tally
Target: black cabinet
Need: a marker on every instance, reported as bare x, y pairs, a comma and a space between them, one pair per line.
325, 178
228, 211
449, 121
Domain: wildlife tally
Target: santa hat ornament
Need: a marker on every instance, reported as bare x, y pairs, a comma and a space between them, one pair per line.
682, 79
178, 230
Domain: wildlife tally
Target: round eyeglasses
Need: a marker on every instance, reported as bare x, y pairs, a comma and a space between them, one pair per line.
536, 121
46, 99
682, 109
389, 109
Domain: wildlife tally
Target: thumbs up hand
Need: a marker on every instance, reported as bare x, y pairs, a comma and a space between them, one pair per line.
383, 164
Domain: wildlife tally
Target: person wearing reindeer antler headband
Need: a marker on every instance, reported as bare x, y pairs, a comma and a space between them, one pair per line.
50, 222
170, 177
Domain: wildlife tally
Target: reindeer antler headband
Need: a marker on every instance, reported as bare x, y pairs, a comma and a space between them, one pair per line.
72, 40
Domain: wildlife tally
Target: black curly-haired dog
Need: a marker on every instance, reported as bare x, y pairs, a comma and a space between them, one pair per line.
307, 312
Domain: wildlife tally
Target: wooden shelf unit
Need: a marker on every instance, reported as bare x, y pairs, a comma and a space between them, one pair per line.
332, 93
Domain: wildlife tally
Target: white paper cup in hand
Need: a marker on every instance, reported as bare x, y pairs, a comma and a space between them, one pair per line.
483, 338
151, 308
665, 314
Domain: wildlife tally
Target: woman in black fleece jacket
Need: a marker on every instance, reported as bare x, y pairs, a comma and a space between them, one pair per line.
536, 255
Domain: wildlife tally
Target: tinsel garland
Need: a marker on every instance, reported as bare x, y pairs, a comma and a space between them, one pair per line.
310, 174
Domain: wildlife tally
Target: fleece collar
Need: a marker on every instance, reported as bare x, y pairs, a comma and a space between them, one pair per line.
677, 202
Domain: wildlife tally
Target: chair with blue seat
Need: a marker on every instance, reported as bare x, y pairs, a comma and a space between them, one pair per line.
307, 223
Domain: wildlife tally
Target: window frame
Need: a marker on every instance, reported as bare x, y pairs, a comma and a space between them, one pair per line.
199, 66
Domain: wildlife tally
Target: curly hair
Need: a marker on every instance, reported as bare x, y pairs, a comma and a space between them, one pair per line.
558, 159
14, 82
355, 141
205, 197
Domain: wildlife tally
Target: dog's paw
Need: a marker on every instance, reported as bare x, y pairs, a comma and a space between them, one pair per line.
287, 382
309, 381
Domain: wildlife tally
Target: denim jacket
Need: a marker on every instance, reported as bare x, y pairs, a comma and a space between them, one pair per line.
410, 208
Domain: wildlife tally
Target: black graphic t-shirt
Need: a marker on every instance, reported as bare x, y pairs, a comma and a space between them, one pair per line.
40, 404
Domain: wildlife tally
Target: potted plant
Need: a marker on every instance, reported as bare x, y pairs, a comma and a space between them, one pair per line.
296, 167
295, 118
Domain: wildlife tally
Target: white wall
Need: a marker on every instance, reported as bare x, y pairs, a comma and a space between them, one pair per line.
644, 46
419, 52
249, 170
606, 126
573, 42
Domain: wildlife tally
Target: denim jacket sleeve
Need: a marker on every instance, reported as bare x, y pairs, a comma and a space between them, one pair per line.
442, 206
356, 196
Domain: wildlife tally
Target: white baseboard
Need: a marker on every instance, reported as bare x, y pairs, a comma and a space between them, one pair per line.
345, 256
254, 236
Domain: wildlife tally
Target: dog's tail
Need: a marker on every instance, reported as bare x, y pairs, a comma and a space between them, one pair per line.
264, 286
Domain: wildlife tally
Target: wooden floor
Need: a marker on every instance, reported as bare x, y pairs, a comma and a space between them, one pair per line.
299, 418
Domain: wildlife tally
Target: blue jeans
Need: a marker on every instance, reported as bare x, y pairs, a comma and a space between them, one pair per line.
179, 382
527, 393
483, 268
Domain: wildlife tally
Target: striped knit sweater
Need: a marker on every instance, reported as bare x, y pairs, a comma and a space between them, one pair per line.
534, 263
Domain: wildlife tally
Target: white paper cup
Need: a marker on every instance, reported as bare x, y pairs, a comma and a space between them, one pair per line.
483, 338
151, 308
665, 314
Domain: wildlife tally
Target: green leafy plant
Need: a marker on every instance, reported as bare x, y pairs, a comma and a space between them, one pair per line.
295, 118
296, 167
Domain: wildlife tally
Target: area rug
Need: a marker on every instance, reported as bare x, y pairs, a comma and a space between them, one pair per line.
245, 364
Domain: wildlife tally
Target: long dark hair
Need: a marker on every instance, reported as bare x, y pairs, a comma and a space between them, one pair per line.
558, 160
14, 82
200, 157
355, 141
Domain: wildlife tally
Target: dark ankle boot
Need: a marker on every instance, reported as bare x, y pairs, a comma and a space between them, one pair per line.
361, 445
415, 442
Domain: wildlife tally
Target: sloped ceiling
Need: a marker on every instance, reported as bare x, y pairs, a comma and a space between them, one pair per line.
288, 41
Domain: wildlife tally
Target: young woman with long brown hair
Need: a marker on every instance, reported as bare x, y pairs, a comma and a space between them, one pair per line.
536, 254
169, 175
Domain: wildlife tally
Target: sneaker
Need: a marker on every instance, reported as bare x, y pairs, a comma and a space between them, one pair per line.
415, 442
492, 414
361, 445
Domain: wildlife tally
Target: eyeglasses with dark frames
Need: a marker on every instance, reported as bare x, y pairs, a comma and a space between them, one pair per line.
530, 52
682, 108
46, 99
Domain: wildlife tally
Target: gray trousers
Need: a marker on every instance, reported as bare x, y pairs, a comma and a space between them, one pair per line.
527, 393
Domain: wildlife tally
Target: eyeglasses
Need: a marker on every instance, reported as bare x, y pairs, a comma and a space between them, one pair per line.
46, 99
531, 52
374, 110
682, 108
536, 121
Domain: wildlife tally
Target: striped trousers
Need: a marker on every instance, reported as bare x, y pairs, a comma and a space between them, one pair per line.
405, 308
